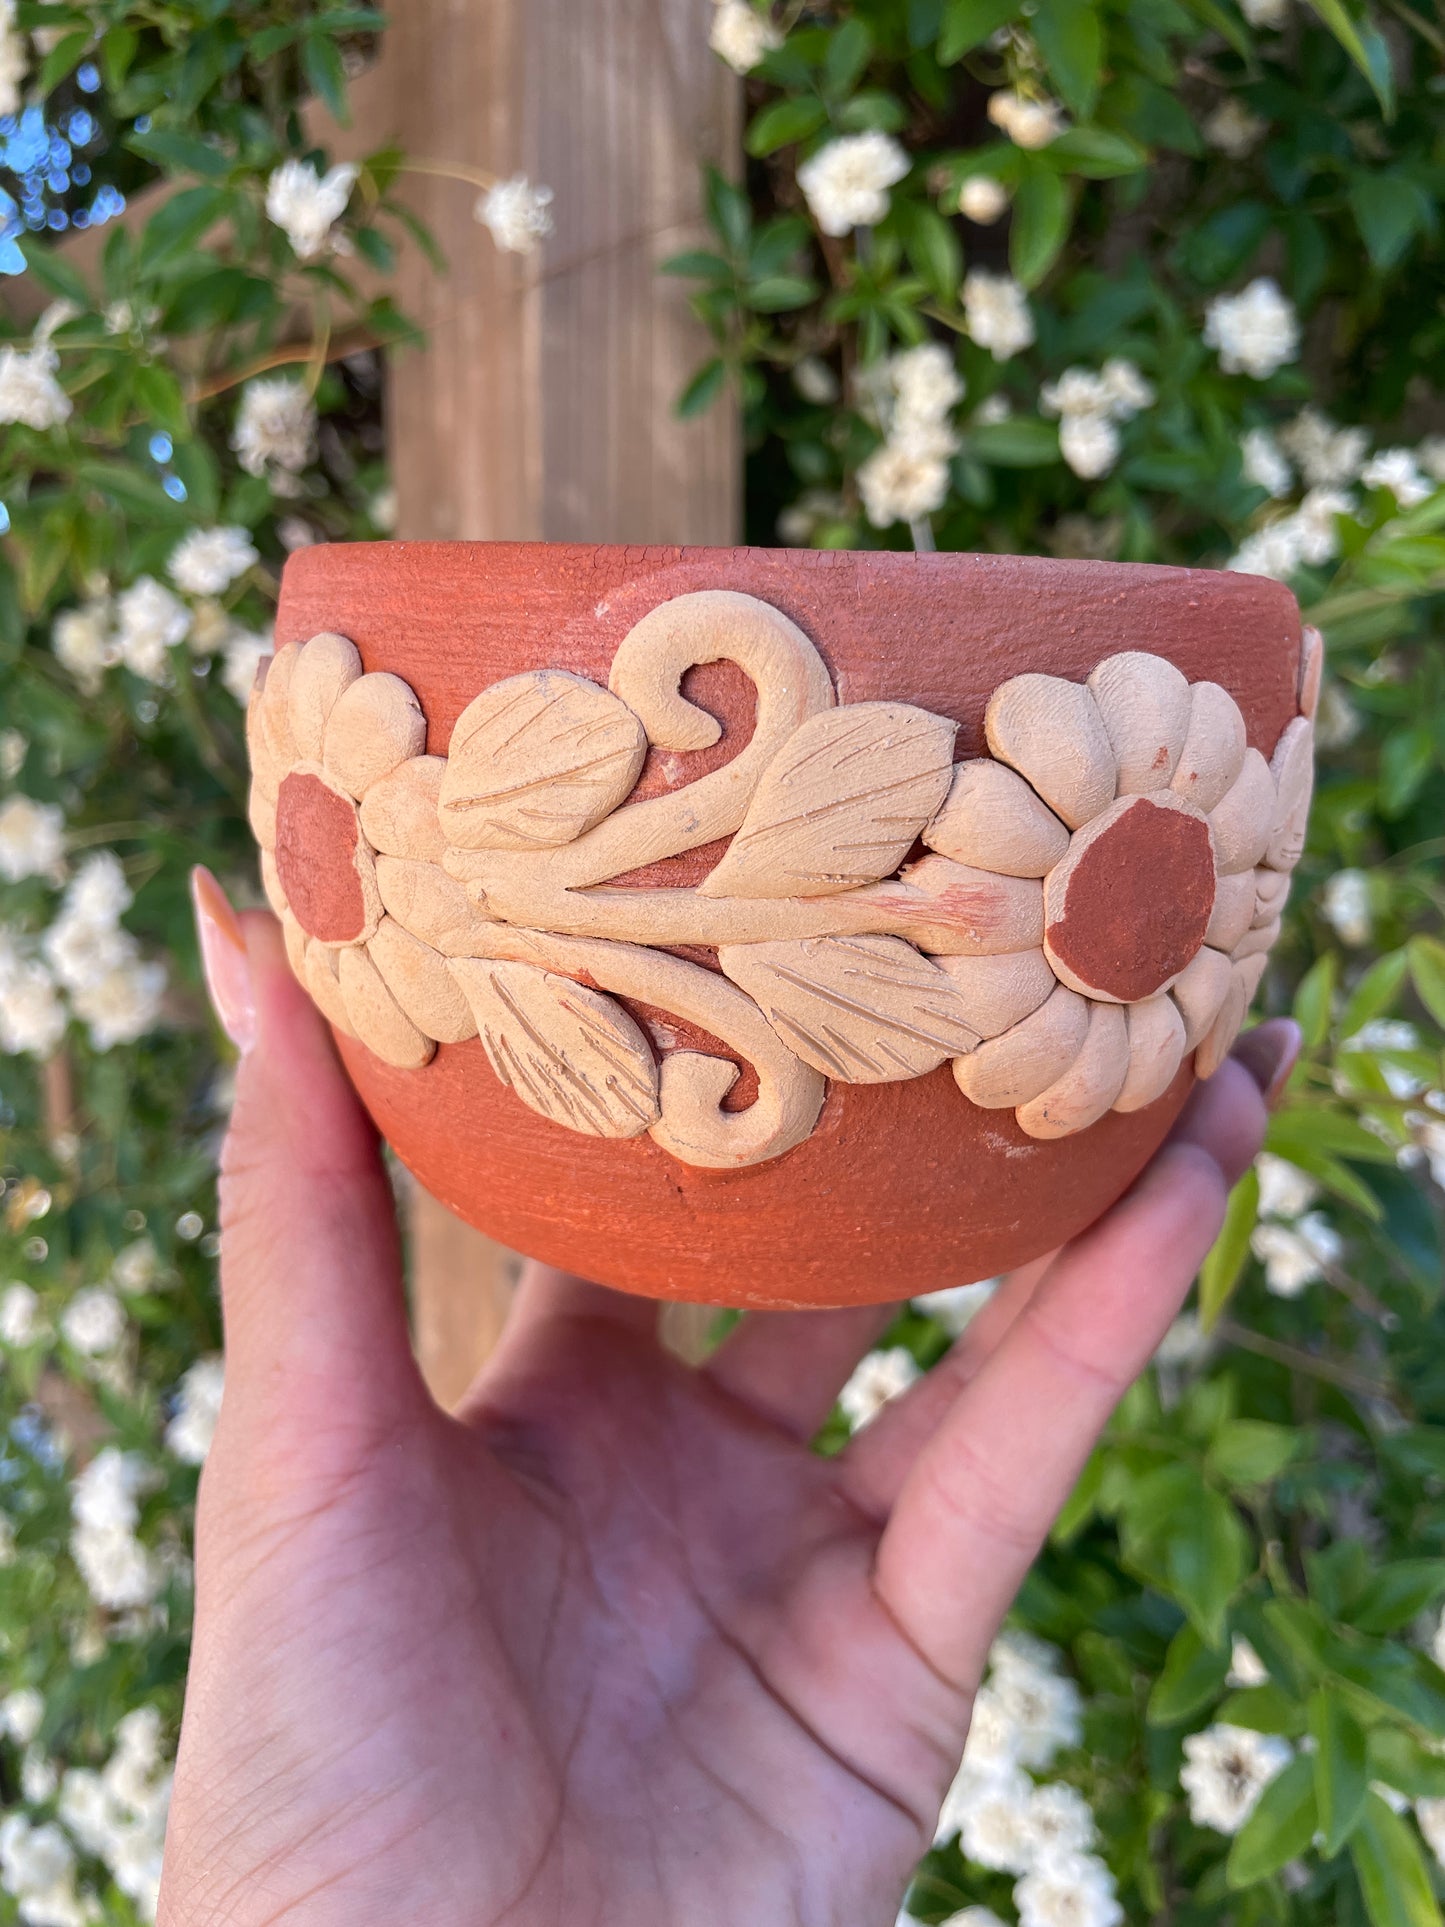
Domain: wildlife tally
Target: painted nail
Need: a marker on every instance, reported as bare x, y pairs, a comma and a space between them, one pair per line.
1269, 1053
224, 960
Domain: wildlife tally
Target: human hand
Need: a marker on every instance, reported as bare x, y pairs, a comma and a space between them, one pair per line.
610, 1644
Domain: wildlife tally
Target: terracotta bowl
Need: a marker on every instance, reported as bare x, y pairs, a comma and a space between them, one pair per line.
778, 928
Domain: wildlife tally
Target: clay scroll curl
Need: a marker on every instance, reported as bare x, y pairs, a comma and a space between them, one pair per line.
1097, 900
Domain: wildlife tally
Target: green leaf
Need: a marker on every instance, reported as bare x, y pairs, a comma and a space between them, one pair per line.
1222, 1268
1247, 1451
1341, 1775
1315, 999
698, 265
1264, 1709
1097, 153
54, 270
1388, 211
158, 393
271, 40
179, 223
704, 388
933, 247
181, 152
1071, 40
1391, 1868
1375, 991
1226, 23
1365, 45
1207, 1556
782, 123
850, 48
968, 23
1427, 973
321, 64
776, 293
117, 50
1402, 1762
64, 57
1018, 441
1040, 224
1192, 1676
1398, 1593
1279, 1830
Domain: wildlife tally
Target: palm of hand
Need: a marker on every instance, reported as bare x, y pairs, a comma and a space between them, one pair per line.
612, 1645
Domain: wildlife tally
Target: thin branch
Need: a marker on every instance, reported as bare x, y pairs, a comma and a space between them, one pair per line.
1327, 1369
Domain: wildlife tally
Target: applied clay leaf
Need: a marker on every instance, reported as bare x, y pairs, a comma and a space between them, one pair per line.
840, 804
537, 760
866, 1010
570, 1053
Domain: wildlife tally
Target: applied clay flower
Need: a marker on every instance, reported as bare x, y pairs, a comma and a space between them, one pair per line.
1163, 844
343, 804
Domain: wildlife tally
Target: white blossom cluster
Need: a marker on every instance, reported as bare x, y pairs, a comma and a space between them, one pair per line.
1348, 907
306, 205
85, 953
275, 431
1089, 408
1292, 1242
116, 1816
517, 215
1007, 1821
1255, 332
881, 1376
996, 313
198, 1407
1226, 1769
1030, 122
846, 183
906, 478
1233, 129
29, 391
14, 60
741, 34
119, 1572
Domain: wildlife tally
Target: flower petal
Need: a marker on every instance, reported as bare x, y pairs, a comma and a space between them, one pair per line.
1271, 893
993, 820
295, 940
1156, 1050
1293, 769
1214, 746
1243, 819
1234, 899
1226, 1026
324, 985
1311, 670
271, 884
399, 811
1145, 704
1015, 1067
261, 815
949, 909
266, 772
376, 725
378, 1019
1089, 1086
275, 699
324, 667
1000, 991
419, 980
424, 900
1052, 734
1199, 990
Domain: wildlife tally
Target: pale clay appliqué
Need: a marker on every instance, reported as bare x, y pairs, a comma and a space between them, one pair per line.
430, 899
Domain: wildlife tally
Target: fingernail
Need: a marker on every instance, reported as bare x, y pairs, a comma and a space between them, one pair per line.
1269, 1053
224, 960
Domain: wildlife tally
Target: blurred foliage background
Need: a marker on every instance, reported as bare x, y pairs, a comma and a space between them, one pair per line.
1157, 280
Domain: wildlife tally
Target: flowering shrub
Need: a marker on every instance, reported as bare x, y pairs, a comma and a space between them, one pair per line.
1154, 280
1161, 282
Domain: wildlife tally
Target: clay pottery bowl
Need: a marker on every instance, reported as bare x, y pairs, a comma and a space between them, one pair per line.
778, 928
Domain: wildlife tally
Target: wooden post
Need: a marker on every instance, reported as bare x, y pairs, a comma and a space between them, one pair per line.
542, 404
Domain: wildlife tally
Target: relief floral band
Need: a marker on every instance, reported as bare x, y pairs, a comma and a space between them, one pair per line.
1097, 900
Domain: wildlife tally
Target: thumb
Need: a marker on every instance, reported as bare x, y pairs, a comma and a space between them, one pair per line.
311, 1277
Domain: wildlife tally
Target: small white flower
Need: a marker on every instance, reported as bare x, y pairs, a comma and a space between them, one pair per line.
1265, 13
1059, 1820
1338, 722
14, 61
32, 1017
1227, 1769
881, 1376
1396, 469
1347, 908
1430, 1817
29, 392
81, 954
83, 644
35, 1862
116, 1567
1125, 388
741, 35
20, 1320
21, 1713
996, 313
1319, 539
190, 1432
1246, 1668
993, 1823
123, 1004
815, 381
1089, 444
1233, 129
207, 561
1273, 550
32, 838
13, 750
1185, 1341
973, 1917
150, 622
93, 1322
1069, 1890
902, 481
1431, 457
1041, 1706
993, 408
982, 199
38, 1777
846, 183
275, 432
517, 215
1294, 1256
98, 892
1263, 463
243, 653
1255, 332
1326, 456
307, 205
926, 386
1284, 1190
956, 1306
1028, 123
